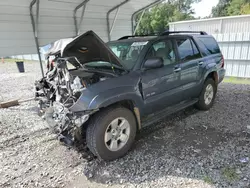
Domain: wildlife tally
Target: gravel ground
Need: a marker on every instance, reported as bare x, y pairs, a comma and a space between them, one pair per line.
188, 149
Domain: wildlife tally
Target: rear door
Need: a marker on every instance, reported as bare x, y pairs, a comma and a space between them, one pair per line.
211, 53
161, 86
190, 61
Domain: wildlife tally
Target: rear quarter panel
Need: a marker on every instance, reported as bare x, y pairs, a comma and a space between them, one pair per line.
212, 62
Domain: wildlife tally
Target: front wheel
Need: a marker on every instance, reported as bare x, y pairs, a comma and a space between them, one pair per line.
111, 133
207, 96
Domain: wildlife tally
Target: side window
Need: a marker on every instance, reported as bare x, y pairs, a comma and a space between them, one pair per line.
163, 49
187, 49
208, 45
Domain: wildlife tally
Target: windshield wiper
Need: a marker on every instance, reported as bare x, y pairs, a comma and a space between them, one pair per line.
106, 67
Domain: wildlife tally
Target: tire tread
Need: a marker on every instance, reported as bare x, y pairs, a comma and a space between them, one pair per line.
94, 122
200, 104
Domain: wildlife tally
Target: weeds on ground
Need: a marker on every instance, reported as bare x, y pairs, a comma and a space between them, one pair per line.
15, 60
230, 174
208, 180
234, 80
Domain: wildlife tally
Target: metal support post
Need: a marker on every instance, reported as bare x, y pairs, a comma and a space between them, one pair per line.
35, 29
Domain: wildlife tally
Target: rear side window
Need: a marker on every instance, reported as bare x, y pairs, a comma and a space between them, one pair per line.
208, 45
187, 49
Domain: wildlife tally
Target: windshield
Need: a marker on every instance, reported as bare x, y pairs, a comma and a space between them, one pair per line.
128, 52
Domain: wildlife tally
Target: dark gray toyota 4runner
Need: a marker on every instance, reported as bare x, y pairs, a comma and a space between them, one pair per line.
103, 94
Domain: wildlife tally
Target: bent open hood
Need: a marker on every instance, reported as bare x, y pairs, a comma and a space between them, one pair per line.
88, 47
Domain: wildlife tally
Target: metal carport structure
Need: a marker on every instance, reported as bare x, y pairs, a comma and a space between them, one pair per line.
25, 25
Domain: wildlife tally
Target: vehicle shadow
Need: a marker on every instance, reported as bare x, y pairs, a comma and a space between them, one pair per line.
172, 149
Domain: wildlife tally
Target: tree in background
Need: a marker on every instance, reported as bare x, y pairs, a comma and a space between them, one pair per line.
234, 7
221, 8
231, 8
245, 9
157, 19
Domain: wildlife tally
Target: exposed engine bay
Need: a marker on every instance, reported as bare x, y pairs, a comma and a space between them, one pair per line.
65, 85
59, 90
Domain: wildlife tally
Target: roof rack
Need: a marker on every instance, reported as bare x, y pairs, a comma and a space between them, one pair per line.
163, 34
133, 36
173, 32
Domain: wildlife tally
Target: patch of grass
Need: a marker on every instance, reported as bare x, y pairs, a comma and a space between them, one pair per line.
208, 180
235, 80
230, 174
14, 60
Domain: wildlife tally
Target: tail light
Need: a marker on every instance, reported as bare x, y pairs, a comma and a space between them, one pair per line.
223, 62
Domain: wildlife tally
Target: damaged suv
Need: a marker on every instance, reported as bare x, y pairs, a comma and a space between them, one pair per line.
105, 93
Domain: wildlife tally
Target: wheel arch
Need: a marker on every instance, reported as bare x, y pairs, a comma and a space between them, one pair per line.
129, 104
213, 75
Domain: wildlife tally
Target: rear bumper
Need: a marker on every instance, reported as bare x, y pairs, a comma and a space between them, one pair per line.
221, 74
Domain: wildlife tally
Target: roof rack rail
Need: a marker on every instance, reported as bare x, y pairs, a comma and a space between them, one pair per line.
133, 36
173, 32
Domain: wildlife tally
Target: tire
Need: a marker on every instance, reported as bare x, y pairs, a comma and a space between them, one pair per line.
204, 103
102, 126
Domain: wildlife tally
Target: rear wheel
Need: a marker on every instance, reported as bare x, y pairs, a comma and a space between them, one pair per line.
207, 96
111, 133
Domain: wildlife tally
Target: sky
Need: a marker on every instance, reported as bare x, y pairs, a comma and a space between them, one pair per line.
204, 8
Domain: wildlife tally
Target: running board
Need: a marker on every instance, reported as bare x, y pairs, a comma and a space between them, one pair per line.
156, 117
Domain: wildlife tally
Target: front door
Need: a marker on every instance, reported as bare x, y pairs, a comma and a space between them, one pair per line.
190, 58
161, 86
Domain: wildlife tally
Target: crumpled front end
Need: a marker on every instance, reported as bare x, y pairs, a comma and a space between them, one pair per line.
61, 90
63, 87
67, 125
56, 93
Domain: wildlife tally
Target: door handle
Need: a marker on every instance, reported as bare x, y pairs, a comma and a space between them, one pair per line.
201, 63
177, 69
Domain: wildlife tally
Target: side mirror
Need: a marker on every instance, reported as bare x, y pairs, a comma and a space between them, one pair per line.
154, 63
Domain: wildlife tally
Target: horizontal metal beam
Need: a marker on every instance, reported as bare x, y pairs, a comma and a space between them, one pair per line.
108, 14
82, 4
142, 9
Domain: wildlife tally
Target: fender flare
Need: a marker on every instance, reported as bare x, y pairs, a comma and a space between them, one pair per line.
210, 69
110, 97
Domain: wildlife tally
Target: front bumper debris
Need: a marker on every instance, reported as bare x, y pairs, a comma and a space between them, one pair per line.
65, 124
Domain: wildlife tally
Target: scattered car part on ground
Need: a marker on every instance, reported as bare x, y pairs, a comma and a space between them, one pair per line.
115, 89
11, 103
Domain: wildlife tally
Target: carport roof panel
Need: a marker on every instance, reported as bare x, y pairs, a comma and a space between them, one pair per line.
55, 21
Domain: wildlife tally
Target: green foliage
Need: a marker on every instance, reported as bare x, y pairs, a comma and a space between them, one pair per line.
156, 20
235, 7
208, 180
231, 8
234, 80
230, 174
221, 8
245, 9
